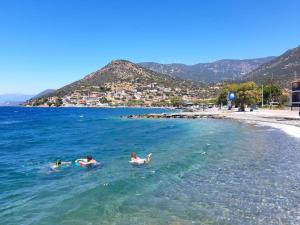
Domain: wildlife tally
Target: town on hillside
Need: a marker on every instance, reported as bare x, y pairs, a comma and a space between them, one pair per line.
126, 94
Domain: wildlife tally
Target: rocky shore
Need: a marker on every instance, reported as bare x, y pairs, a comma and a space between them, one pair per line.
176, 116
266, 117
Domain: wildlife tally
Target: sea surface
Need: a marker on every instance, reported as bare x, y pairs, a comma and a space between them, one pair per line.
202, 172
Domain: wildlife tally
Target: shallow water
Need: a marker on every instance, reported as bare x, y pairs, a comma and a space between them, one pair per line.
203, 171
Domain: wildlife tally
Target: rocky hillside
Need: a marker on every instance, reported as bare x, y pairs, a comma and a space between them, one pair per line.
281, 70
122, 71
124, 83
226, 69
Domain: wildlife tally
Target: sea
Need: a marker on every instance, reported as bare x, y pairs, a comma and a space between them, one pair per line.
203, 171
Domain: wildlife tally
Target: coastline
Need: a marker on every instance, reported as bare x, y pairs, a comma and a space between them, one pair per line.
97, 107
285, 120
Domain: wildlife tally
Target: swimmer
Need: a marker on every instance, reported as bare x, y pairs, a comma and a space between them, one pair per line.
88, 161
134, 159
58, 164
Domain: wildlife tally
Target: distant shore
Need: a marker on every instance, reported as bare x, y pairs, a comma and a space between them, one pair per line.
98, 107
286, 120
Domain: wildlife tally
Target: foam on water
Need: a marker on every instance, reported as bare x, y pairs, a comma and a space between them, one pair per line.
8, 122
289, 129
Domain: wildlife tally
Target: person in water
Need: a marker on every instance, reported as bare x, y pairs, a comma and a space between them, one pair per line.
59, 163
137, 160
90, 160
133, 156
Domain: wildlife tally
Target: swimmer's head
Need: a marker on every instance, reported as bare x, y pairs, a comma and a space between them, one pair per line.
58, 162
89, 157
133, 155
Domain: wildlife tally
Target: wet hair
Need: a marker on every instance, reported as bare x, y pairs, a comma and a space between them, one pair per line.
58, 163
133, 155
89, 157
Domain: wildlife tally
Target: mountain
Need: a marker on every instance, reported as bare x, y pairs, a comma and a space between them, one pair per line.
227, 69
13, 99
123, 82
45, 92
280, 70
119, 71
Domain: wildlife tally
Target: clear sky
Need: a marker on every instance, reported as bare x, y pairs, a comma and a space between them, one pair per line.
50, 43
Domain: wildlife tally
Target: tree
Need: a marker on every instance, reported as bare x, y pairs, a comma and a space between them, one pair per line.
222, 99
247, 94
58, 102
103, 100
160, 104
284, 100
176, 101
135, 103
272, 93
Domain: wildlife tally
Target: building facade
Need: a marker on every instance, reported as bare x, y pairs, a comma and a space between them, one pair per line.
296, 93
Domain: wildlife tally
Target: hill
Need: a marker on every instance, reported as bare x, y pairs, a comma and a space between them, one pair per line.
280, 70
227, 69
45, 92
124, 83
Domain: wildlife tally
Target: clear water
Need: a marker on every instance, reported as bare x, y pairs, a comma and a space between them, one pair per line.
203, 171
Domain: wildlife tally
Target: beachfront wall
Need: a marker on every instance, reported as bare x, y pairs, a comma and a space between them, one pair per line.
296, 93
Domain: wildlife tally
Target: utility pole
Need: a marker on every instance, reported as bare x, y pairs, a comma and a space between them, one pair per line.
291, 96
203, 100
262, 95
271, 92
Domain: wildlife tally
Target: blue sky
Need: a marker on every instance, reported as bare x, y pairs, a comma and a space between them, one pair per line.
50, 43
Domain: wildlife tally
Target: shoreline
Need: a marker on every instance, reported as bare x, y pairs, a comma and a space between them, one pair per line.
285, 120
94, 107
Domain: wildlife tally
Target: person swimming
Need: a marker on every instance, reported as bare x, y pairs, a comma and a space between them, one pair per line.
134, 159
88, 161
58, 164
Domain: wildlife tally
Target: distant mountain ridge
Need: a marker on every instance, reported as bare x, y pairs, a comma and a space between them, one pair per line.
227, 69
280, 70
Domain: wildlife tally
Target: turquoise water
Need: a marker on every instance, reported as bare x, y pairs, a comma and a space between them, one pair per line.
203, 171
